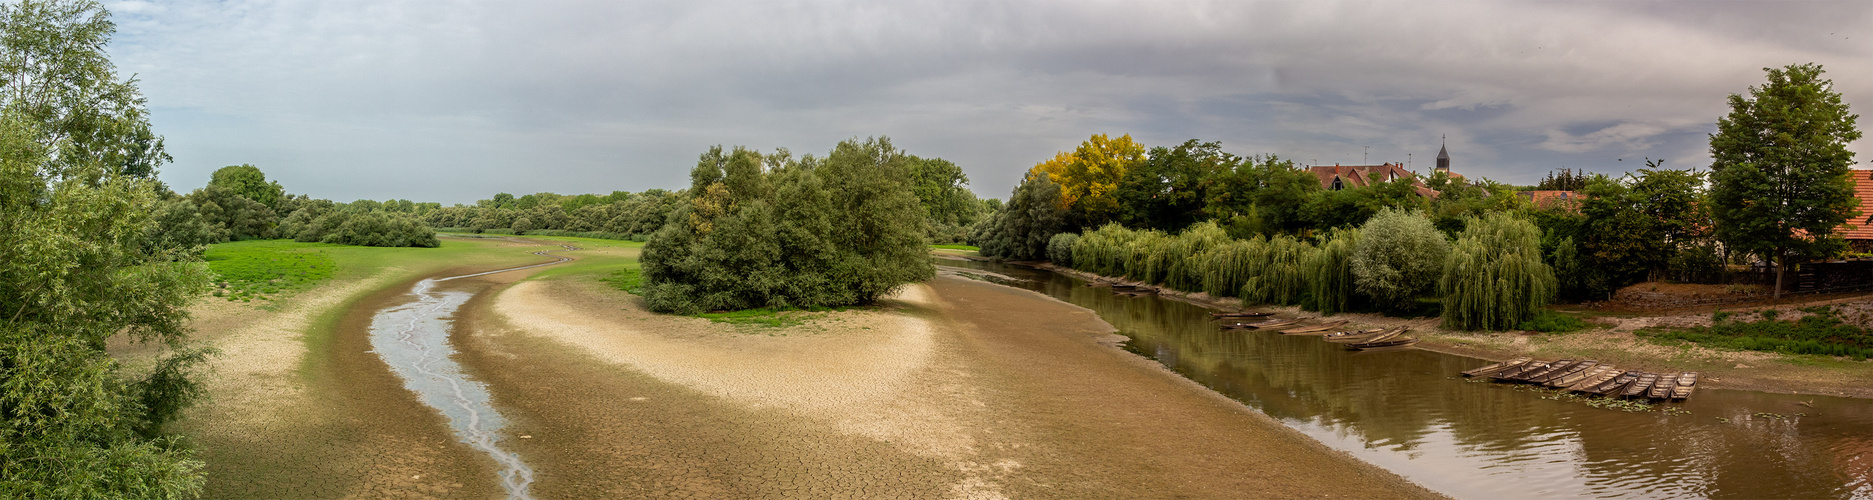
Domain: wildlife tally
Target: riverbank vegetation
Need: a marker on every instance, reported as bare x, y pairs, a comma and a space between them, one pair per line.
81, 265
1820, 330
778, 232
1482, 254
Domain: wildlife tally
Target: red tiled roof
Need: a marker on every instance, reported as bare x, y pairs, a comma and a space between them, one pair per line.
1551, 199
1862, 226
1353, 176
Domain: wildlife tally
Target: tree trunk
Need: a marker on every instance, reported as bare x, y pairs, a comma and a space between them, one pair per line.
1781, 262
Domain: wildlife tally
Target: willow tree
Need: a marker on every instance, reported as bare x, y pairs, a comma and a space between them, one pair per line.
1494, 278
1398, 257
1279, 276
1780, 168
1330, 273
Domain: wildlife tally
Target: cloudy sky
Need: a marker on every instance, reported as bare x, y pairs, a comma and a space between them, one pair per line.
453, 101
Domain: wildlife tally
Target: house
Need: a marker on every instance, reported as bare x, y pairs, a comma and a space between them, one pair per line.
1551, 199
1859, 230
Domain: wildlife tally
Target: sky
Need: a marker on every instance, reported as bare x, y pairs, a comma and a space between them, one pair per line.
453, 101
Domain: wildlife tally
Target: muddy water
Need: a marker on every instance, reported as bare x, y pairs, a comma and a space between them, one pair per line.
1410, 412
413, 338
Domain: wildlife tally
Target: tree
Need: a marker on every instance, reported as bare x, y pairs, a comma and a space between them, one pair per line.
773, 232
1168, 190
249, 182
1780, 167
1495, 278
1089, 177
1397, 257
943, 191
1021, 230
78, 268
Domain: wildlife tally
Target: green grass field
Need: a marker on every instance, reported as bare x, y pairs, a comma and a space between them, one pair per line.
263, 269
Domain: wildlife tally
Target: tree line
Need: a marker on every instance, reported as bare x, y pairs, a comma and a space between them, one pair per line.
1195, 218
239, 203
949, 209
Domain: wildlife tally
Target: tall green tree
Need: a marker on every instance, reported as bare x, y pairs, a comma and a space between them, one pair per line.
1780, 167
1398, 256
78, 267
249, 182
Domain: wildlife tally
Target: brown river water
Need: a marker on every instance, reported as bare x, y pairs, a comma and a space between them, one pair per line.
1411, 412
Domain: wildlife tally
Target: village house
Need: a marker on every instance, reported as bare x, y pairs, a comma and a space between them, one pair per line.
1858, 231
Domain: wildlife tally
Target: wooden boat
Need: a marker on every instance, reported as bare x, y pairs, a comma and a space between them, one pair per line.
1122, 286
1496, 367
1662, 389
1552, 379
1276, 323
1383, 344
1594, 376
1371, 337
1617, 383
1639, 386
1552, 367
1352, 334
1687, 382
1240, 315
1320, 327
1511, 373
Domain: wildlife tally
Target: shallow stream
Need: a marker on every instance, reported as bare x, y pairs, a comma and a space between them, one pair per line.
1412, 413
413, 338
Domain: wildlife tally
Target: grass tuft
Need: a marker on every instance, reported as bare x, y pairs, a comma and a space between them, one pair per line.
1547, 321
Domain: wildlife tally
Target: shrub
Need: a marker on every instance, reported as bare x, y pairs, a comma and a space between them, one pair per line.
1820, 333
1546, 321
1398, 257
1184, 255
1494, 278
1060, 249
1227, 266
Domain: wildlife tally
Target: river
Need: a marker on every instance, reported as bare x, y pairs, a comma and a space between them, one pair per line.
1412, 413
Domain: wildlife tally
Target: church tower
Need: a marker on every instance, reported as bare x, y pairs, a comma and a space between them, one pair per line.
1443, 159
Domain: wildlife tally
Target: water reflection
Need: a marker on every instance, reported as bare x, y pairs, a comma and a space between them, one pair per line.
1410, 412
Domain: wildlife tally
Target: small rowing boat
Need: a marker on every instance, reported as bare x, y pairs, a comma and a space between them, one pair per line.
1495, 367
1352, 334
1639, 386
1322, 327
1686, 383
1511, 373
1240, 315
1383, 344
1371, 337
1274, 324
1551, 368
1614, 384
1552, 379
1662, 389
1597, 375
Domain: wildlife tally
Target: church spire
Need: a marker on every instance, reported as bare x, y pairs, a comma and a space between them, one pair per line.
1443, 156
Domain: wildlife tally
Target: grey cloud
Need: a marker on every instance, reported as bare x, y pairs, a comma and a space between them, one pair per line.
454, 100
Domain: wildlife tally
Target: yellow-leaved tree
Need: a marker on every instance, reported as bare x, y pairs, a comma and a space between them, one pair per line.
1089, 176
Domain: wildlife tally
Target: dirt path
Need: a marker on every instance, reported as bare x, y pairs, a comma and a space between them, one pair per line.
956, 389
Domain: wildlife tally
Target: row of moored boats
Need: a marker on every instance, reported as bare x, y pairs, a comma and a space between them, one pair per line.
1359, 340
1592, 377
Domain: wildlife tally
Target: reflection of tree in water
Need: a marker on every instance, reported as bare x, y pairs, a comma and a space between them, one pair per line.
1404, 401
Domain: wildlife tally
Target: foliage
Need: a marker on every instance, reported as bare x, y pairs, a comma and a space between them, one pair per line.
1330, 272
246, 270
1183, 255
1021, 230
1168, 190
1494, 278
629, 280
1060, 248
1103, 250
78, 267
948, 205
1089, 177
1278, 275
1820, 332
247, 181
1780, 167
1567, 180
1398, 257
1547, 321
330, 223
770, 231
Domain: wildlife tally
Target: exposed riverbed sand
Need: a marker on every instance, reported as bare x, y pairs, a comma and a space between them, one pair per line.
955, 389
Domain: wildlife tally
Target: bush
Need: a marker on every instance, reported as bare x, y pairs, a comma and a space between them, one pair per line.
1060, 249
779, 233
1494, 278
1279, 275
373, 229
1546, 321
1183, 255
1398, 257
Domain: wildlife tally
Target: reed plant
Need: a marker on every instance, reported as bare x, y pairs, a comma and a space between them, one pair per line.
1495, 278
1330, 273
